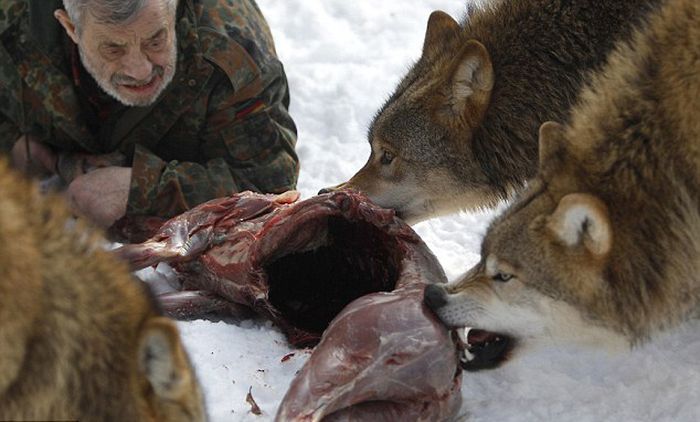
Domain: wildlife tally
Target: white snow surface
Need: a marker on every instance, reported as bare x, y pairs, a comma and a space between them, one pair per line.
343, 59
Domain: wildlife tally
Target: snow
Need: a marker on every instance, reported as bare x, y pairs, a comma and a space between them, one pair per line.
343, 59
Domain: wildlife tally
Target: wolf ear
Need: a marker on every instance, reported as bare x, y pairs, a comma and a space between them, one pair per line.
162, 359
551, 142
440, 26
582, 219
469, 89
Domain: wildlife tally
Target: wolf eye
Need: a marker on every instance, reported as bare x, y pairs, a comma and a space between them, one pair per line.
387, 157
502, 277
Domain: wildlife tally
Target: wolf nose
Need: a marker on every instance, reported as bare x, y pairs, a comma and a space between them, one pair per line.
325, 190
434, 296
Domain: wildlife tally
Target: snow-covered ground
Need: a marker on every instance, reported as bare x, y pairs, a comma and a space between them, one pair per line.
343, 59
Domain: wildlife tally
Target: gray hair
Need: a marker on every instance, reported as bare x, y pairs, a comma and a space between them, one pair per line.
107, 11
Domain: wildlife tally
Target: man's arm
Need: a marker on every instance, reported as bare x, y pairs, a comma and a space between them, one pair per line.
248, 144
26, 153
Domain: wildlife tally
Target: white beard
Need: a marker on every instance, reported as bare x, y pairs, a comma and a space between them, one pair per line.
107, 84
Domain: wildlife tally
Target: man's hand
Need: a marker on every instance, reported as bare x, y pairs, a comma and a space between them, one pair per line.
32, 157
74, 164
100, 195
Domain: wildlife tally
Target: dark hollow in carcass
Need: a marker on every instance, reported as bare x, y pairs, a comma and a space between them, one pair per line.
297, 263
310, 288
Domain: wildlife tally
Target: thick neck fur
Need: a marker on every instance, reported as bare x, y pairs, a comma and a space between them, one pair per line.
634, 136
541, 51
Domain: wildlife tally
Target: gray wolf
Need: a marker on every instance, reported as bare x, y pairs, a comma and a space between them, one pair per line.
460, 130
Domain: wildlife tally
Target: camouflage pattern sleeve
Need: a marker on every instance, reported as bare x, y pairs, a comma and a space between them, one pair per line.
248, 144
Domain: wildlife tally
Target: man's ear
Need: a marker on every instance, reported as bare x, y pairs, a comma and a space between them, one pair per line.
582, 220
66, 23
440, 26
162, 359
468, 91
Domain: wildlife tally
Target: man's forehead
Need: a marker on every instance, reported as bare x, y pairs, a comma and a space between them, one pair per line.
117, 35
152, 18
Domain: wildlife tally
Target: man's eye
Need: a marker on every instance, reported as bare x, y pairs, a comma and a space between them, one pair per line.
113, 51
502, 277
387, 157
155, 45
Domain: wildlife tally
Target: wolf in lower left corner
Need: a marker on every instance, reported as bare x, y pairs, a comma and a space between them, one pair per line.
80, 339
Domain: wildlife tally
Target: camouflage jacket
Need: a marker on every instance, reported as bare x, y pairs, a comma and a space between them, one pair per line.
221, 126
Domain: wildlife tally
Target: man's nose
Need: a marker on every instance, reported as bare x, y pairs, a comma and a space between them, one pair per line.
137, 66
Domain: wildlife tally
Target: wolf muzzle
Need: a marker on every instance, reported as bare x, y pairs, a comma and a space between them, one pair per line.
434, 297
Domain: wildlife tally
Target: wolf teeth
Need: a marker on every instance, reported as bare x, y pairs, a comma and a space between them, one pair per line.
463, 334
465, 355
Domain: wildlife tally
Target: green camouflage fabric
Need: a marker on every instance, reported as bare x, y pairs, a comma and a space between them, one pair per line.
222, 126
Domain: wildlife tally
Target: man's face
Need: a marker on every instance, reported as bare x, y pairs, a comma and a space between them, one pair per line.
132, 62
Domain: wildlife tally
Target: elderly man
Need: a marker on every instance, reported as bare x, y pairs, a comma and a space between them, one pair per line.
144, 107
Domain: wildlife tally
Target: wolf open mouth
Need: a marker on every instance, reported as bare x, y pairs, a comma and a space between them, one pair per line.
481, 349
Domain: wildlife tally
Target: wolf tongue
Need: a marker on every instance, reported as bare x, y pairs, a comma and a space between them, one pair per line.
477, 337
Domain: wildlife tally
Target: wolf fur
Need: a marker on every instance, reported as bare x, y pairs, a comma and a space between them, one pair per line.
604, 244
460, 130
79, 338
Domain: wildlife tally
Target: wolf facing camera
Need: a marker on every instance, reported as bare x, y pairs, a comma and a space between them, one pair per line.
603, 247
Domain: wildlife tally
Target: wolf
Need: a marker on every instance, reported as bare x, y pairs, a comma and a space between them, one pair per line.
603, 246
79, 338
460, 130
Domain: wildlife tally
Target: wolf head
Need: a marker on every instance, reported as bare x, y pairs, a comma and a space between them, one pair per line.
460, 131
419, 139
544, 263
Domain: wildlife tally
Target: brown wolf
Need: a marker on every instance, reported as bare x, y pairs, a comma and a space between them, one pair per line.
460, 131
604, 244
79, 338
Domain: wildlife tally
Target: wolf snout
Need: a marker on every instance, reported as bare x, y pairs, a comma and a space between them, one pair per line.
434, 297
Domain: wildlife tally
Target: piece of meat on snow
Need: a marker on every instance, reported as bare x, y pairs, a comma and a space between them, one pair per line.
385, 357
300, 263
